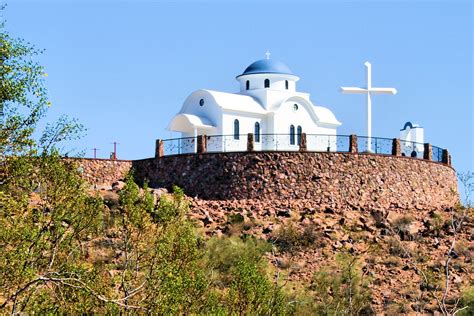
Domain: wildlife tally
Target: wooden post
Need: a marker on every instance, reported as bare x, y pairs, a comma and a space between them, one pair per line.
201, 144
159, 148
303, 143
250, 142
353, 145
396, 147
428, 152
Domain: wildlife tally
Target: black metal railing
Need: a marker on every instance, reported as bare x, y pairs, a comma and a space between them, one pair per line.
375, 145
301, 142
176, 146
438, 154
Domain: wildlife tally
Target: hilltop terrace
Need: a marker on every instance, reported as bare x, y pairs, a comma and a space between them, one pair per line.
300, 143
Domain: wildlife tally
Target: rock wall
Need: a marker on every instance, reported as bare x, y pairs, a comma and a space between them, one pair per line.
329, 180
101, 173
292, 179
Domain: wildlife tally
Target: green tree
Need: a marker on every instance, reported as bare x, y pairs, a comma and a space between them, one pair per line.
23, 103
42, 237
162, 253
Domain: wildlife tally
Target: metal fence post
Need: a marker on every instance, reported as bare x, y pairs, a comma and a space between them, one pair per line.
159, 148
396, 147
353, 145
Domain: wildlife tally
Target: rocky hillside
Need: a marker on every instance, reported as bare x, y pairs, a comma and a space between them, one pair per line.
402, 255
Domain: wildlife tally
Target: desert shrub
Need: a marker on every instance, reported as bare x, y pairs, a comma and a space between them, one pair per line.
467, 300
252, 293
401, 225
342, 289
420, 255
240, 269
437, 223
237, 225
392, 262
170, 207
223, 254
290, 238
395, 309
395, 248
235, 218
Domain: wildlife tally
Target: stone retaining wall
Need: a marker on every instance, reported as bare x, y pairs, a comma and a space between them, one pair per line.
101, 173
336, 180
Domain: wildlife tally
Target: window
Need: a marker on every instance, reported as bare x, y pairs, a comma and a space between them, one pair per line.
292, 134
201, 102
257, 132
267, 83
236, 129
299, 131
286, 84
247, 85
295, 107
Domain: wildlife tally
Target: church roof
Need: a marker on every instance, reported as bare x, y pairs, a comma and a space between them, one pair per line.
264, 66
325, 115
236, 102
188, 122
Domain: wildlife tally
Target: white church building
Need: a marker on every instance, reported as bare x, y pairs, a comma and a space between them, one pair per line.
267, 105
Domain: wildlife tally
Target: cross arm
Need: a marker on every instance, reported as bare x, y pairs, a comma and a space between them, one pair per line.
383, 90
353, 90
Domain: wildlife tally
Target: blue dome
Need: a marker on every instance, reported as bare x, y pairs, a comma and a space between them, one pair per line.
266, 66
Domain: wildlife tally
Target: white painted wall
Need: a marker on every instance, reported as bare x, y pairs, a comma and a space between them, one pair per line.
275, 114
287, 115
409, 136
209, 110
277, 82
246, 125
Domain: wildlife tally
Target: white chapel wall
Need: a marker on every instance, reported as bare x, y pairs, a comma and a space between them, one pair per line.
277, 82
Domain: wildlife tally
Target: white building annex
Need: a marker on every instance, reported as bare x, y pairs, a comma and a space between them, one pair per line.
268, 105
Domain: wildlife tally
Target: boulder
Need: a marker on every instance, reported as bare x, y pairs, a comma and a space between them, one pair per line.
118, 185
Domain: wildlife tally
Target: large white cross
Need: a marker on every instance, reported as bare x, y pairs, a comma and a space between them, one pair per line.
369, 90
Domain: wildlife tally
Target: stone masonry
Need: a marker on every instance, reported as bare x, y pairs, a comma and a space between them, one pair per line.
338, 180
101, 173
334, 180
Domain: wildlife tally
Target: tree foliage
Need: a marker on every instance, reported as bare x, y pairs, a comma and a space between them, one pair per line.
67, 252
23, 103
43, 234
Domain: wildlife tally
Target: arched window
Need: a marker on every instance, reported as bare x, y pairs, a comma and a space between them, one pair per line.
247, 85
257, 132
236, 129
286, 84
292, 134
267, 83
299, 131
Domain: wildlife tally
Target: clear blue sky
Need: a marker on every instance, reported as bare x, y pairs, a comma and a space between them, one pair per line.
124, 68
